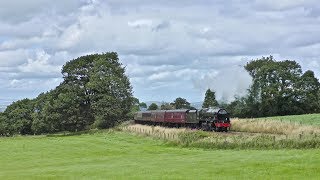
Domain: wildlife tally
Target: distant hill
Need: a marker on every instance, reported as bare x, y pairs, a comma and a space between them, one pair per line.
197, 105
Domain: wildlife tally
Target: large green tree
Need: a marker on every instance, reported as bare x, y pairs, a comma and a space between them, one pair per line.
309, 92
143, 105
181, 103
46, 119
274, 88
278, 88
104, 89
18, 119
166, 106
153, 106
95, 92
210, 99
61, 110
3, 124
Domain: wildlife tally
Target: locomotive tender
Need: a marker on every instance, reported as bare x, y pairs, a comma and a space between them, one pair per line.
207, 119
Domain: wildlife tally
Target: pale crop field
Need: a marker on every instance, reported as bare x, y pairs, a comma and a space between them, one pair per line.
274, 127
307, 119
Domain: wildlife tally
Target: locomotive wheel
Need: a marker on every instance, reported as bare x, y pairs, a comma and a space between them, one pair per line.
203, 127
215, 129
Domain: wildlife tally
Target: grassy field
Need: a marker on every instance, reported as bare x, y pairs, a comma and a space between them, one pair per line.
120, 155
308, 119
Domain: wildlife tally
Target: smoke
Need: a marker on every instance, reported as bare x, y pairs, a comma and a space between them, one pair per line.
227, 83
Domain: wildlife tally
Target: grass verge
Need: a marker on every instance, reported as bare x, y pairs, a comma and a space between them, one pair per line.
304, 119
274, 127
232, 140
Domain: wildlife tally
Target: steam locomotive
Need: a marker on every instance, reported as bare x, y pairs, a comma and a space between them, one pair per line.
207, 119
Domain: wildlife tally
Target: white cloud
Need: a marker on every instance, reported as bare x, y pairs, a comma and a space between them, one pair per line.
70, 37
140, 23
283, 4
12, 58
160, 76
41, 64
15, 11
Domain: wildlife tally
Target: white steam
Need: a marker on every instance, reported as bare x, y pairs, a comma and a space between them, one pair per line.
227, 83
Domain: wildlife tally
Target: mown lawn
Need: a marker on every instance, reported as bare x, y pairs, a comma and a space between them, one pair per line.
309, 119
119, 155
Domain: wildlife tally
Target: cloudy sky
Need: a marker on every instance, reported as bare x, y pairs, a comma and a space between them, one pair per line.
170, 48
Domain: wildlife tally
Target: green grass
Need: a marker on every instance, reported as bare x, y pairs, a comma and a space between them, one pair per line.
120, 155
308, 119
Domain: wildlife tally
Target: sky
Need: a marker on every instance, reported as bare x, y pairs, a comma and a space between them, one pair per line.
170, 48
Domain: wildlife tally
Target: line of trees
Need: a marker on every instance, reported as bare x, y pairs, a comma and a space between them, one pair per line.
178, 103
210, 99
95, 93
182, 103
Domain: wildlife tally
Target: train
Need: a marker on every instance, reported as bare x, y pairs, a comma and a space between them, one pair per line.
207, 119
